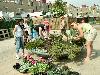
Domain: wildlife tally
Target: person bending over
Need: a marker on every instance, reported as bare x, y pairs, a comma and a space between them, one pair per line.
41, 30
89, 33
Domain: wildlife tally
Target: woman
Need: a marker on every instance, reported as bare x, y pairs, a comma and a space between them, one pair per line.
41, 30
62, 25
63, 28
89, 33
18, 31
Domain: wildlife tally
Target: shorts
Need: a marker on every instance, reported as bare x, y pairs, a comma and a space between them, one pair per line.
19, 43
91, 35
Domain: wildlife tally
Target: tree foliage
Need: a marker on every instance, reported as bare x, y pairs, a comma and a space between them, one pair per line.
58, 8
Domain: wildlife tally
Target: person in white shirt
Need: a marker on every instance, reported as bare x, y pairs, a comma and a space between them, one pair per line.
18, 31
27, 31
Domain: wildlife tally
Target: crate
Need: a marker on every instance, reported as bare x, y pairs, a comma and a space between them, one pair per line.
4, 34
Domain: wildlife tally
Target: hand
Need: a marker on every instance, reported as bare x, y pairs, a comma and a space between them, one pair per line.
76, 38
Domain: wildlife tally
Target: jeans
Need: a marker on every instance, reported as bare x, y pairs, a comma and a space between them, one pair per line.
19, 44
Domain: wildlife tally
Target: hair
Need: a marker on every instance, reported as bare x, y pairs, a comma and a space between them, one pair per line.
85, 19
62, 17
71, 21
17, 22
26, 21
28, 16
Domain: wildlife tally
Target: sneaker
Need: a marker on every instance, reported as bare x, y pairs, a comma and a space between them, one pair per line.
22, 55
17, 57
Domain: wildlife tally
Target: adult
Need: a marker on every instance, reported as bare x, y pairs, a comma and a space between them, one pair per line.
63, 26
62, 22
89, 33
41, 30
18, 31
27, 31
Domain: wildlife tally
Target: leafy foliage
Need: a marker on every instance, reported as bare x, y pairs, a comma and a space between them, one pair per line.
58, 8
56, 47
37, 67
56, 70
4, 24
35, 44
60, 48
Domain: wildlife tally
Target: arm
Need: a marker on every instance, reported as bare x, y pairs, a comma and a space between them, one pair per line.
14, 30
40, 32
62, 25
80, 32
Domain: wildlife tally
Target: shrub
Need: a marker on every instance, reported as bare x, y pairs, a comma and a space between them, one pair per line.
56, 47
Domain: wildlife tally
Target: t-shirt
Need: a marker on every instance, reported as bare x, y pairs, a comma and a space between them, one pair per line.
19, 31
46, 22
86, 27
27, 28
37, 27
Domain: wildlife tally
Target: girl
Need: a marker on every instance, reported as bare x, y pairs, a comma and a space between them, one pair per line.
89, 33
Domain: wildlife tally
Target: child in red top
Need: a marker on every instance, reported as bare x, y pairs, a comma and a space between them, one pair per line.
47, 24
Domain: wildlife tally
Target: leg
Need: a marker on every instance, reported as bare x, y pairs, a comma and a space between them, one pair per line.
22, 45
89, 48
17, 47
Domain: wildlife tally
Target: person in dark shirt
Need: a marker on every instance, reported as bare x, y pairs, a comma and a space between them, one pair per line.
41, 30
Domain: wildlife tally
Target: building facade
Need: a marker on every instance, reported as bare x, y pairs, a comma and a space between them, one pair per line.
23, 5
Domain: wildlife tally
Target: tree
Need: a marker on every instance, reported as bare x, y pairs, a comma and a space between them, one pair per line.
58, 8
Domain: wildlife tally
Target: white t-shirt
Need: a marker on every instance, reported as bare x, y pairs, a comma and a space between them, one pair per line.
27, 28
19, 31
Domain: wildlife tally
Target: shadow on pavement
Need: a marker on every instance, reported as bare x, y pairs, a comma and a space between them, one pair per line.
95, 54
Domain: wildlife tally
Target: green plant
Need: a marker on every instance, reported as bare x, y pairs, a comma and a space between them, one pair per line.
35, 44
24, 67
38, 68
60, 48
58, 8
61, 71
56, 47
72, 50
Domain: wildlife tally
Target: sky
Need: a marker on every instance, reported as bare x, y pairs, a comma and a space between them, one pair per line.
81, 2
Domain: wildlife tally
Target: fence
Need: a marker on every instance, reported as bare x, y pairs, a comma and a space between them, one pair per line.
4, 34
56, 22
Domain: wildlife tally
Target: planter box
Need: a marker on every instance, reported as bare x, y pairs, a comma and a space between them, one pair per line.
41, 52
